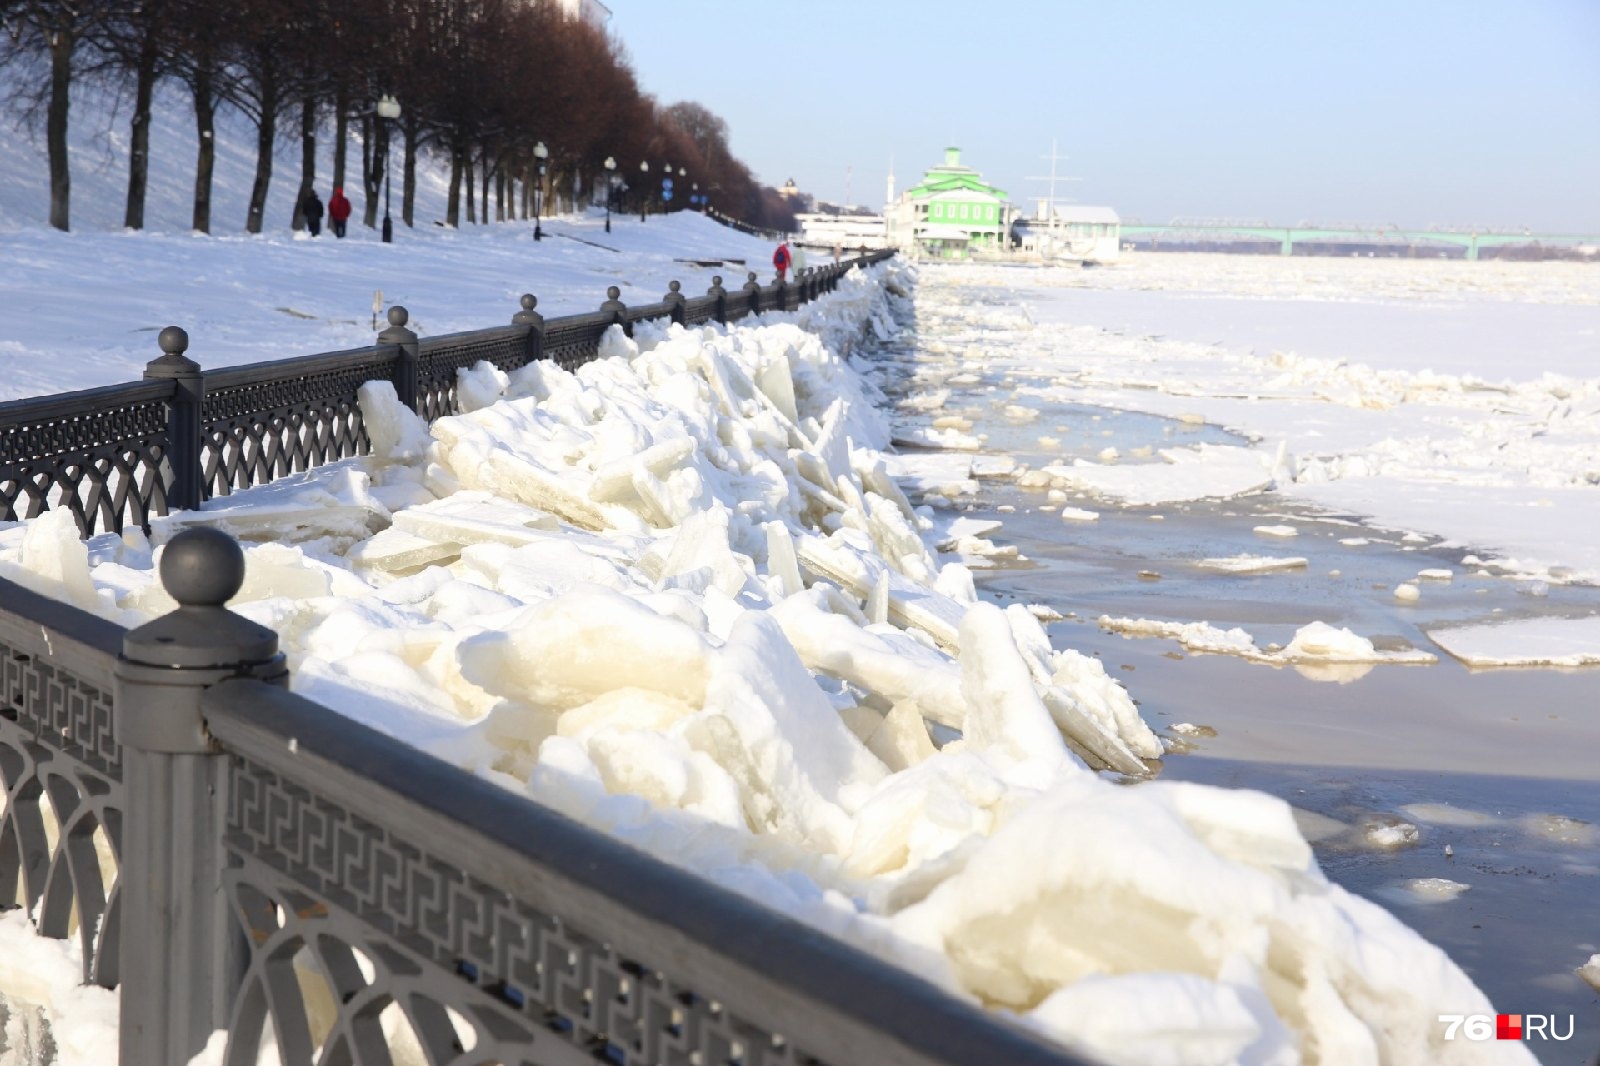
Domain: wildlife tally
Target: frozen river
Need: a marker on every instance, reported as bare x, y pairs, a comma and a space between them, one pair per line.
1465, 800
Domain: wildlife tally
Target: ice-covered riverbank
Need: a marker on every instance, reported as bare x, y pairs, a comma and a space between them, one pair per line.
676, 595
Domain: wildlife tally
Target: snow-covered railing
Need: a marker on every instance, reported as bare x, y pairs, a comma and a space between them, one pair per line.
120, 455
282, 865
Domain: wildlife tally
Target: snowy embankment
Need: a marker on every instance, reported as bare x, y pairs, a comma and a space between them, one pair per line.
676, 595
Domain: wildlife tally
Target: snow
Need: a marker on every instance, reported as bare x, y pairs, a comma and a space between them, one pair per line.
1524, 642
1315, 643
1207, 472
1440, 397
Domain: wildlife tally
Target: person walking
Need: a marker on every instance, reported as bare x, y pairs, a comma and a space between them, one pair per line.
311, 208
781, 259
338, 211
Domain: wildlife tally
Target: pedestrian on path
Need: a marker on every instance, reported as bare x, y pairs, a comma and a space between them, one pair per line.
338, 211
311, 208
781, 259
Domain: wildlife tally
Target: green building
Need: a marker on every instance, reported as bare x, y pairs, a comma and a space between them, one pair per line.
952, 213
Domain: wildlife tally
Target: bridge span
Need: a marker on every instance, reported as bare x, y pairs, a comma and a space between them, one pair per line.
1181, 231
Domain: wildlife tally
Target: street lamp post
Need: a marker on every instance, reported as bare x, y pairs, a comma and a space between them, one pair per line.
611, 188
644, 188
388, 111
541, 153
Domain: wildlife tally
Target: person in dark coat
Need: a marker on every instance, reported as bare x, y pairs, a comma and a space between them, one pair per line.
311, 207
338, 211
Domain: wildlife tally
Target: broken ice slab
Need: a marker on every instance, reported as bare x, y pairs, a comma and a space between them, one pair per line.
476, 518
925, 472
910, 605
396, 551
993, 466
1252, 564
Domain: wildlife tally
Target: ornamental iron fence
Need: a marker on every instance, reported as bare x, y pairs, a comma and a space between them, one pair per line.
121, 455
326, 894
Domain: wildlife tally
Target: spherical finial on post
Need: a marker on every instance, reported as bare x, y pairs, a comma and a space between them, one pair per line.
398, 316
172, 363
613, 293
529, 301
716, 281
174, 340
202, 567
674, 286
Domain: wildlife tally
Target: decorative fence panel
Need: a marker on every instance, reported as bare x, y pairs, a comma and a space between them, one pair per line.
101, 453
61, 794
266, 420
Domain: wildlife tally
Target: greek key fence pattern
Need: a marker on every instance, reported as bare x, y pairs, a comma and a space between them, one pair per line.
319, 887
61, 797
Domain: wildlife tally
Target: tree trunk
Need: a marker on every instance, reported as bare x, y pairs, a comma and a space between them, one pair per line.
63, 41
483, 187
341, 134
139, 148
499, 196
308, 160
205, 121
266, 135
410, 194
452, 211
375, 167
472, 188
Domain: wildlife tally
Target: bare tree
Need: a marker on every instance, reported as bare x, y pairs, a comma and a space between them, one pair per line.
51, 30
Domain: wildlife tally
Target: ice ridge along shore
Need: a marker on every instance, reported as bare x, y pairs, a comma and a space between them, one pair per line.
676, 595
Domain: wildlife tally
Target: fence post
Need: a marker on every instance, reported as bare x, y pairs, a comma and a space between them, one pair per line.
535, 323
183, 417
617, 309
183, 951
407, 371
720, 294
674, 297
752, 292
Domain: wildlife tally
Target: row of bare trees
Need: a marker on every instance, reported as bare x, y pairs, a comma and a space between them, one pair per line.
480, 81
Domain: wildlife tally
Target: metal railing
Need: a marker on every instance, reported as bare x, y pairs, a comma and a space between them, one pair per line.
276, 870
119, 455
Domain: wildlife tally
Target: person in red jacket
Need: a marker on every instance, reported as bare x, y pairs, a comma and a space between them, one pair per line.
780, 258
338, 211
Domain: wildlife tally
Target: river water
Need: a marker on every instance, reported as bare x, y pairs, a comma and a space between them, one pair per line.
1411, 780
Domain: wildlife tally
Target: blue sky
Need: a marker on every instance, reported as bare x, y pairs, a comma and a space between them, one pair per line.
1404, 112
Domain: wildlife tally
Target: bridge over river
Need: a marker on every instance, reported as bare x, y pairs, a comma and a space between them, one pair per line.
1188, 231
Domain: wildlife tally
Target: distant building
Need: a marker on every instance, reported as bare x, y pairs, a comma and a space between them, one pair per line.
1072, 231
952, 213
829, 230
794, 198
